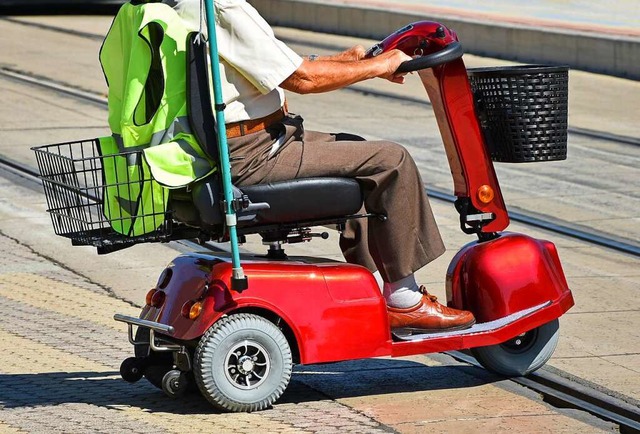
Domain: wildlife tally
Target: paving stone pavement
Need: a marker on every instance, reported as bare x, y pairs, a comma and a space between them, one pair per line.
62, 351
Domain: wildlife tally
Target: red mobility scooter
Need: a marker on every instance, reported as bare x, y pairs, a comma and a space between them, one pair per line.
236, 335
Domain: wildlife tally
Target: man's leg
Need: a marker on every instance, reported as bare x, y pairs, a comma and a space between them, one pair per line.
409, 238
398, 246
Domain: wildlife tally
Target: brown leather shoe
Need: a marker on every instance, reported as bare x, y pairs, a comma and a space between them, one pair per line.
428, 316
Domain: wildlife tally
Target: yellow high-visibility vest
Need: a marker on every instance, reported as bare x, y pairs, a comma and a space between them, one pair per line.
144, 61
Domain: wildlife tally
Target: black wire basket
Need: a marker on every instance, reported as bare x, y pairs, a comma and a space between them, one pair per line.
522, 111
85, 205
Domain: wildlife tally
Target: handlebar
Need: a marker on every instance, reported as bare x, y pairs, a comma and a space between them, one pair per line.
453, 51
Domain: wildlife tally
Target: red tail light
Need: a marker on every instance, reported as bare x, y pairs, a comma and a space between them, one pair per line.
186, 308
149, 296
157, 300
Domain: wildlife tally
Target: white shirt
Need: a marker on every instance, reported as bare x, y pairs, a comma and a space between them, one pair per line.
253, 61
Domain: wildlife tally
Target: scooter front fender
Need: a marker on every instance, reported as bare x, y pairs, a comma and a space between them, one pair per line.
513, 272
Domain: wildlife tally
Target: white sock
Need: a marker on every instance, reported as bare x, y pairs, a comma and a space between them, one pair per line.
379, 280
403, 293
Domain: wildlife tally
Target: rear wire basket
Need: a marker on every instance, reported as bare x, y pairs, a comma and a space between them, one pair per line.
522, 111
74, 186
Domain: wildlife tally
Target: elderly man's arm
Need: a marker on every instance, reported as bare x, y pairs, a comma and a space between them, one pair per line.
356, 52
330, 73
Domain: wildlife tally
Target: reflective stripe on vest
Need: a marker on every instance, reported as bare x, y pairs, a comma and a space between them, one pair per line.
133, 202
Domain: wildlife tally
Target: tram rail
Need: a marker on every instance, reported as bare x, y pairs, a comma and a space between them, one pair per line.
565, 393
541, 222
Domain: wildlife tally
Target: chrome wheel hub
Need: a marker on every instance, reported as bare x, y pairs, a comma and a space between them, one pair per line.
247, 365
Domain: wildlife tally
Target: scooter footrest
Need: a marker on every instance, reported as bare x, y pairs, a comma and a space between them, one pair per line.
476, 328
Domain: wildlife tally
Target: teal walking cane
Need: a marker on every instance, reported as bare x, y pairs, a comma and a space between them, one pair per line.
239, 281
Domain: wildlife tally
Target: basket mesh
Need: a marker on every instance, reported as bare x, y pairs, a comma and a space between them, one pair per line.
74, 186
522, 111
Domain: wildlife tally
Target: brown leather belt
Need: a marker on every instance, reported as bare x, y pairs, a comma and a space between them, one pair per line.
242, 128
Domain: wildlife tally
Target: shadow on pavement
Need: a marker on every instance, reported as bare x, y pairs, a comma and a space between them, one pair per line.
105, 389
309, 384
385, 376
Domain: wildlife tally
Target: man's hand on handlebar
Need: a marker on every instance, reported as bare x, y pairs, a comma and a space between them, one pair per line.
390, 61
387, 63
321, 74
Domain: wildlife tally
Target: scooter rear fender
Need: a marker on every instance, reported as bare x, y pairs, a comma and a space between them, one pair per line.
334, 310
513, 272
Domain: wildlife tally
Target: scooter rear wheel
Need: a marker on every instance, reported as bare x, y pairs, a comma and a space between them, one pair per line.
243, 363
521, 355
156, 364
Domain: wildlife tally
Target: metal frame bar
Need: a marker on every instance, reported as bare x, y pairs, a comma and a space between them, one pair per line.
238, 280
153, 328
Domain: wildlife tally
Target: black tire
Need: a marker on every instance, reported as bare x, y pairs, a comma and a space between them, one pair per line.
175, 383
155, 373
243, 363
156, 364
522, 354
131, 369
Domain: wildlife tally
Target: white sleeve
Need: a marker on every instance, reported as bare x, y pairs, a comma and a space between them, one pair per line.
248, 44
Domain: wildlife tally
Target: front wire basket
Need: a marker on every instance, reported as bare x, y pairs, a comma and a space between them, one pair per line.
522, 111
75, 186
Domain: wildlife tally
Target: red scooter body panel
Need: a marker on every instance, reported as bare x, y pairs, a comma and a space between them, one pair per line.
495, 279
510, 273
335, 310
188, 276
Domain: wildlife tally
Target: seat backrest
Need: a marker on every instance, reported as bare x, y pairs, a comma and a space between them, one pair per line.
299, 202
199, 109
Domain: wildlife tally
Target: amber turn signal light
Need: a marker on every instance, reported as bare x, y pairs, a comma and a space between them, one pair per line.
485, 194
195, 310
191, 309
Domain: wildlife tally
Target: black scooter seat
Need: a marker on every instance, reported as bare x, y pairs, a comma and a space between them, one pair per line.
306, 199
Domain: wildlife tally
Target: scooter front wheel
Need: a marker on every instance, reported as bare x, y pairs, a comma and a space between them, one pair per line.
521, 355
243, 363
131, 369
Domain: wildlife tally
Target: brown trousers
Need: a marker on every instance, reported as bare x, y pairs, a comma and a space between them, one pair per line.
409, 238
